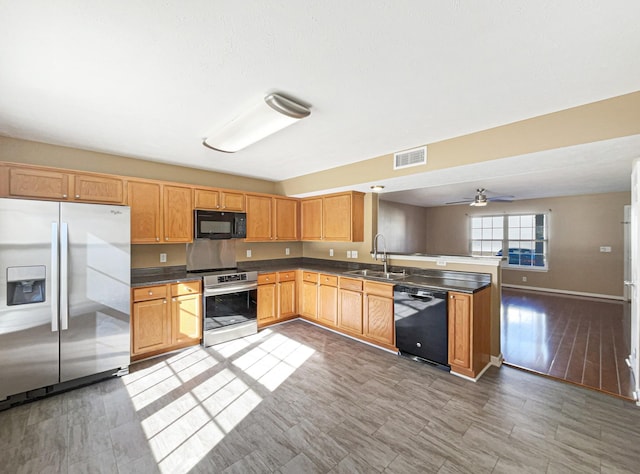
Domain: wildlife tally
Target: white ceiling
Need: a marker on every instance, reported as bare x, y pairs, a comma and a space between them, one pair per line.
149, 79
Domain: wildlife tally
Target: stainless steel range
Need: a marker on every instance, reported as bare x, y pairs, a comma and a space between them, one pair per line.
229, 306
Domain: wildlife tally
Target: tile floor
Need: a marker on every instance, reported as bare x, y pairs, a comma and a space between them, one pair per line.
296, 398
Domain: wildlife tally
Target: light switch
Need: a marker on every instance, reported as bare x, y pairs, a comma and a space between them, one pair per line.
287, 251
348, 253
163, 258
605, 249
354, 254
330, 252
248, 253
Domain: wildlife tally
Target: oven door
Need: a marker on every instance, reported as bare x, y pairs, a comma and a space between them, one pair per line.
230, 312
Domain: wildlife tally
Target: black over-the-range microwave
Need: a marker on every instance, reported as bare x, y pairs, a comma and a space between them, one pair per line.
220, 225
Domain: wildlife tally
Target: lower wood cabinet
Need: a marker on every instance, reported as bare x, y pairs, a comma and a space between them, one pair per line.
350, 305
165, 317
308, 294
276, 297
378, 320
469, 332
267, 299
328, 299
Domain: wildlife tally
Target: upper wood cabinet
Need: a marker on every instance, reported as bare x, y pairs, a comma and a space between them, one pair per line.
160, 213
335, 217
217, 199
33, 182
271, 218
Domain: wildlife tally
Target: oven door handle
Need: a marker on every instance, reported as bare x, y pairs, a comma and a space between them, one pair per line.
223, 290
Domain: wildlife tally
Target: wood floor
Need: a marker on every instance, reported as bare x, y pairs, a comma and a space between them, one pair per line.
298, 399
580, 340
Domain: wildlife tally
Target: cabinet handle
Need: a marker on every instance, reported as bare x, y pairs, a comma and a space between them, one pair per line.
64, 196
173, 299
166, 238
77, 196
157, 239
151, 293
164, 301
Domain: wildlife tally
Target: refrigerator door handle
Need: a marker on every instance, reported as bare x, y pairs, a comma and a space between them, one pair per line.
64, 276
54, 277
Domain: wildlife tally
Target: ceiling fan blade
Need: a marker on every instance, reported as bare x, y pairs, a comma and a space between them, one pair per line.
501, 198
460, 202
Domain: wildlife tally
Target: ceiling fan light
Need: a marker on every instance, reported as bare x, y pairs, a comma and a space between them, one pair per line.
268, 116
478, 203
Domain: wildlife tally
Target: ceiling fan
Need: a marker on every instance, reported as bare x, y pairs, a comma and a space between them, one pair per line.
481, 199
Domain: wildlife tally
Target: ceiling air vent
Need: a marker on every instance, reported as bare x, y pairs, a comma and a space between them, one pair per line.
414, 157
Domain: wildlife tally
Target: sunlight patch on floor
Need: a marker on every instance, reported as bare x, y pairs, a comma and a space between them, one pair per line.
189, 425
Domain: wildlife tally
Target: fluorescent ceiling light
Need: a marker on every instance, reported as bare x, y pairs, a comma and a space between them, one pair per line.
274, 113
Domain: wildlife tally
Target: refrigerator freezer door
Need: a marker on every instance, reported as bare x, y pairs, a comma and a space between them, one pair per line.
28, 339
96, 286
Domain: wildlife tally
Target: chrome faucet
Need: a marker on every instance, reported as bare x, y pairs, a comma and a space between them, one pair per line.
374, 252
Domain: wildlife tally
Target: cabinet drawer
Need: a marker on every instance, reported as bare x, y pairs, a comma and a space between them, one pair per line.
328, 280
185, 288
380, 289
350, 284
266, 278
310, 277
286, 276
149, 293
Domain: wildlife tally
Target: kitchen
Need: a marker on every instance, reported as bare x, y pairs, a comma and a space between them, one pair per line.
572, 124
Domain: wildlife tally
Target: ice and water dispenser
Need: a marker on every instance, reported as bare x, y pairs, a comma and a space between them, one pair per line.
26, 285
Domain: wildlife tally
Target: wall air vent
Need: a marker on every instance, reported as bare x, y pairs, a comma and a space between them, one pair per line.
413, 157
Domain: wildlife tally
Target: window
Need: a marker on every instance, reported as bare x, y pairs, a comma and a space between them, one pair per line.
524, 235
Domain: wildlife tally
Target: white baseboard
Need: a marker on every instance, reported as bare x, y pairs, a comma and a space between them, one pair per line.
564, 292
497, 361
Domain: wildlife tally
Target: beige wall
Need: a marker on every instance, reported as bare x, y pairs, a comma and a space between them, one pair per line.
606, 119
404, 227
34, 153
578, 227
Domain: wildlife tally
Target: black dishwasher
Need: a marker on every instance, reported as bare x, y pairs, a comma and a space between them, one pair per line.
421, 323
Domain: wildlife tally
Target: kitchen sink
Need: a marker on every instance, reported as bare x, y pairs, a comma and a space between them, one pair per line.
378, 274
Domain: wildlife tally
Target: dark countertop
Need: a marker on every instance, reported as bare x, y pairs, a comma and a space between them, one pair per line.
465, 282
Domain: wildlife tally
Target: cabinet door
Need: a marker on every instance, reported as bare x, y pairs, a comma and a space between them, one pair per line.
309, 300
286, 219
328, 304
144, 200
186, 318
311, 219
98, 189
287, 298
151, 326
206, 199
178, 214
38, 184
258, 217
267, 311
232, 201
460, 327
350, 312
378, 319
337, 217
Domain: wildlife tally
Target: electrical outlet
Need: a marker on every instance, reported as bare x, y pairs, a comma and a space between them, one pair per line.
287, 251
348, 253
354, 254
248, 253
330, 252
524, 279
441, 263
163, 258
